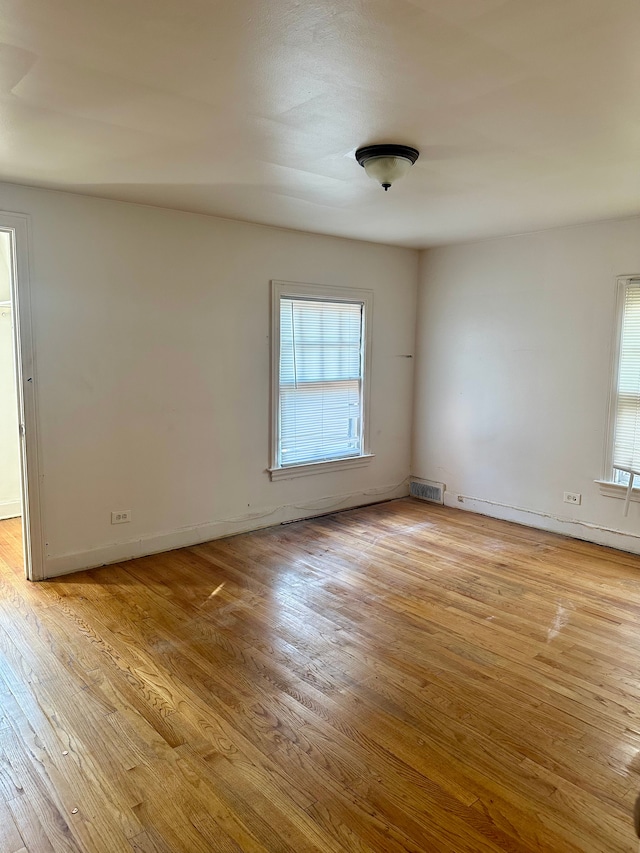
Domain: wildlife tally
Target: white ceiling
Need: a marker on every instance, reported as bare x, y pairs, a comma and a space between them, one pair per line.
526, 112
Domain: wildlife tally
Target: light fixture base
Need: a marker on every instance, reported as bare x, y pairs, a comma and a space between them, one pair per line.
387, 150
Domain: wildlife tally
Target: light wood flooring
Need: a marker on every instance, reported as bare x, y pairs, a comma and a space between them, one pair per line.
403, 677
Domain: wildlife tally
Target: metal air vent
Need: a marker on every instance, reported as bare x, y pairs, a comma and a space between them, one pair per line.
427, 491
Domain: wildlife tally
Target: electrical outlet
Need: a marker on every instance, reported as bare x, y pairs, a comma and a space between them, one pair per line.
121, 516
572, 498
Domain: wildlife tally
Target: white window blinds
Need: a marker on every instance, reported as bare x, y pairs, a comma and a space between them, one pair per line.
320, 380
626, 449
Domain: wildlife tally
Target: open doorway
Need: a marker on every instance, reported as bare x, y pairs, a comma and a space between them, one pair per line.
20, 534
11, 545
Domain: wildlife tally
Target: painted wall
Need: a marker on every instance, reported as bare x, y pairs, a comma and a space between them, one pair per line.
152, 359
9, 440
513, 374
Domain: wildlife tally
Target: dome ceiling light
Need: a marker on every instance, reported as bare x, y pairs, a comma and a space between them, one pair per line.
387, 163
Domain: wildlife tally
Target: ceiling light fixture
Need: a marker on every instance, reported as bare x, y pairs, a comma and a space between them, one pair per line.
387, 163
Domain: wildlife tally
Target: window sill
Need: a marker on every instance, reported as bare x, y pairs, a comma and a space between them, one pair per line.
616, 490
293, 471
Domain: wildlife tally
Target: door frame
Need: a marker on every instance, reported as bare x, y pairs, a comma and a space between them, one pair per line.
18, 225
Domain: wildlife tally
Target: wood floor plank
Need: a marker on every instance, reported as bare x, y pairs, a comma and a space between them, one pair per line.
403, 677
29, 826
11, 840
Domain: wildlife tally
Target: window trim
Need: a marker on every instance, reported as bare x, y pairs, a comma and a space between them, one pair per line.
330, 293
608, 486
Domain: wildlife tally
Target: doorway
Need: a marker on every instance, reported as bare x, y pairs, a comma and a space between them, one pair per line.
11, 546
20, 517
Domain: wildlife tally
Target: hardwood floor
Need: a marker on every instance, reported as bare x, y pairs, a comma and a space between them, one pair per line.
403, 677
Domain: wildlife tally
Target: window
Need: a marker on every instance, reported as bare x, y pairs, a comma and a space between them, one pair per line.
624, 453
320, 375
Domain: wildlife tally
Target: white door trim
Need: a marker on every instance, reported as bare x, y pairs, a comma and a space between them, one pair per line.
19, 226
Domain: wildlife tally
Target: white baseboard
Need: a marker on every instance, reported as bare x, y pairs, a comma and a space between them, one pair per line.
10, 509
117, 552
585, 530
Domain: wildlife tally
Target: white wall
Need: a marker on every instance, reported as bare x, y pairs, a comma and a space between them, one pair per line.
9, 441
152, 353
513, 372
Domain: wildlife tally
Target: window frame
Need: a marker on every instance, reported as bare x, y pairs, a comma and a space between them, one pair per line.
608, 484
322, 293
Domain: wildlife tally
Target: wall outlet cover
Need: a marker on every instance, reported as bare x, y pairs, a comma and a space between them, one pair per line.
121, 516
574, 498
